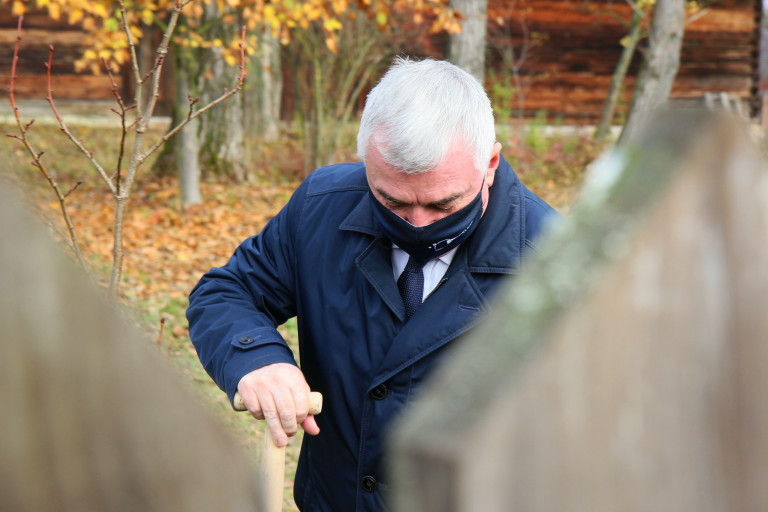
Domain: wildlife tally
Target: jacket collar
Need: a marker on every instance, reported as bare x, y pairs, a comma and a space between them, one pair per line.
497, 244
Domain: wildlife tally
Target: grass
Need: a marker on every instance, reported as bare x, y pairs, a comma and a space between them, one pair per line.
167, 249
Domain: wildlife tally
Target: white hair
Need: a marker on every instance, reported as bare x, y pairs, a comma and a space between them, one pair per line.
420, 109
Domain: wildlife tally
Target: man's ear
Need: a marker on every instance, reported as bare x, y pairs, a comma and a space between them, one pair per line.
493, 164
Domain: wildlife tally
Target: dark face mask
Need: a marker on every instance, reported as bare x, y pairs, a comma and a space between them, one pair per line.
433, 240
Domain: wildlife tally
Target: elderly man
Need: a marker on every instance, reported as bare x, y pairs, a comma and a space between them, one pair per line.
385, 263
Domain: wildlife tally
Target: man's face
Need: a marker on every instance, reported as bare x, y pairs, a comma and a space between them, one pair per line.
424, 198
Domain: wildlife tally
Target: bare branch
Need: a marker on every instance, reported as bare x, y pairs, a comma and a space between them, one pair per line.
192, 115
637, 9
79, 182
36, 162
123, 128
162, 53
62, 125
131, 47
143, 116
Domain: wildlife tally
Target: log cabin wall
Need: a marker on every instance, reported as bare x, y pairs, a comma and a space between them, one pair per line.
38, 32
571, 48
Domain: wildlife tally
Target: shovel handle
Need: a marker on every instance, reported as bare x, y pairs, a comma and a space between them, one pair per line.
315, 402
272, 466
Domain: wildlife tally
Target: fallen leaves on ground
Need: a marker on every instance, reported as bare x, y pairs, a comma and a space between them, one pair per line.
166, 249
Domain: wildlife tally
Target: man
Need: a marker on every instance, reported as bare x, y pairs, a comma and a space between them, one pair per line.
384, 263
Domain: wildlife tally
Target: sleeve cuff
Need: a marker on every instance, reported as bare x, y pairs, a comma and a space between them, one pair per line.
251, 350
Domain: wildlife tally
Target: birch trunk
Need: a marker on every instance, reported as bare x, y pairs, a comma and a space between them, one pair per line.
467, 48
660, 65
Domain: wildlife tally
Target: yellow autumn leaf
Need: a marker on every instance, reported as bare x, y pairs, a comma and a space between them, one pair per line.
98, 10
331, 24
339, 6
624, 41
314, 13
147, 16
217, 43
54, 11
381, 18
269, 13
75, 15
330, 42
230, 59
18, 8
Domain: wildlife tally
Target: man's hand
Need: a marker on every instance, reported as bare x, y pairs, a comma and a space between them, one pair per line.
279, 394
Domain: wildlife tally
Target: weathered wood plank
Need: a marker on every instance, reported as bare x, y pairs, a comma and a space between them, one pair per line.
92, 419
626, 368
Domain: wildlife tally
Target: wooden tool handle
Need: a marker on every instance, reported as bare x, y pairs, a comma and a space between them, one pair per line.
272, 473
272, 465
315, 402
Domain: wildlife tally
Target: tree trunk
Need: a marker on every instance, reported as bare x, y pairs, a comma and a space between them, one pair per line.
467, 48
222, 133
264, 88
635, 30
187, 146
660, 65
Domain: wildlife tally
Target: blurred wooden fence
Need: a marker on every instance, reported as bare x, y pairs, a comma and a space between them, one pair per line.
627, 368
92, 419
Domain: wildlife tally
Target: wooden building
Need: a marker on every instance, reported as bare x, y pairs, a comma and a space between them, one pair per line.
572, 47
563, 53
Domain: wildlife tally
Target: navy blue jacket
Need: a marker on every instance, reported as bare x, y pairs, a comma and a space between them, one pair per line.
324, 260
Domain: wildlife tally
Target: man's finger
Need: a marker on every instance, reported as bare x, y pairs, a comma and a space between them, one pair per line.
286, 410
301, 402
310, 425
274, 425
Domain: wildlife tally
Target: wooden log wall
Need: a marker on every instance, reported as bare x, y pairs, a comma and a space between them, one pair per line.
38, 33
572, 47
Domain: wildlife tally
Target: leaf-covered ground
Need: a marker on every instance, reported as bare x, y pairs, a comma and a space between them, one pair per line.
167, 249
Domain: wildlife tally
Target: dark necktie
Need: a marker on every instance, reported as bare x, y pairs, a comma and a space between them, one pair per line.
411, 286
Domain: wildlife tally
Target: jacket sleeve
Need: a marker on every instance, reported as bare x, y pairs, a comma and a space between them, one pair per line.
234, 310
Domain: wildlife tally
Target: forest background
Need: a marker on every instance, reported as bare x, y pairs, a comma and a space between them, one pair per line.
169, 238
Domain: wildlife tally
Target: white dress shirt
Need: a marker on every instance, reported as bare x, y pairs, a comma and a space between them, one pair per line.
433, 270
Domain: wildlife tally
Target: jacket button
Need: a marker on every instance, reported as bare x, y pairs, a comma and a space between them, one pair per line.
245, 340
379, 392
369, 484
